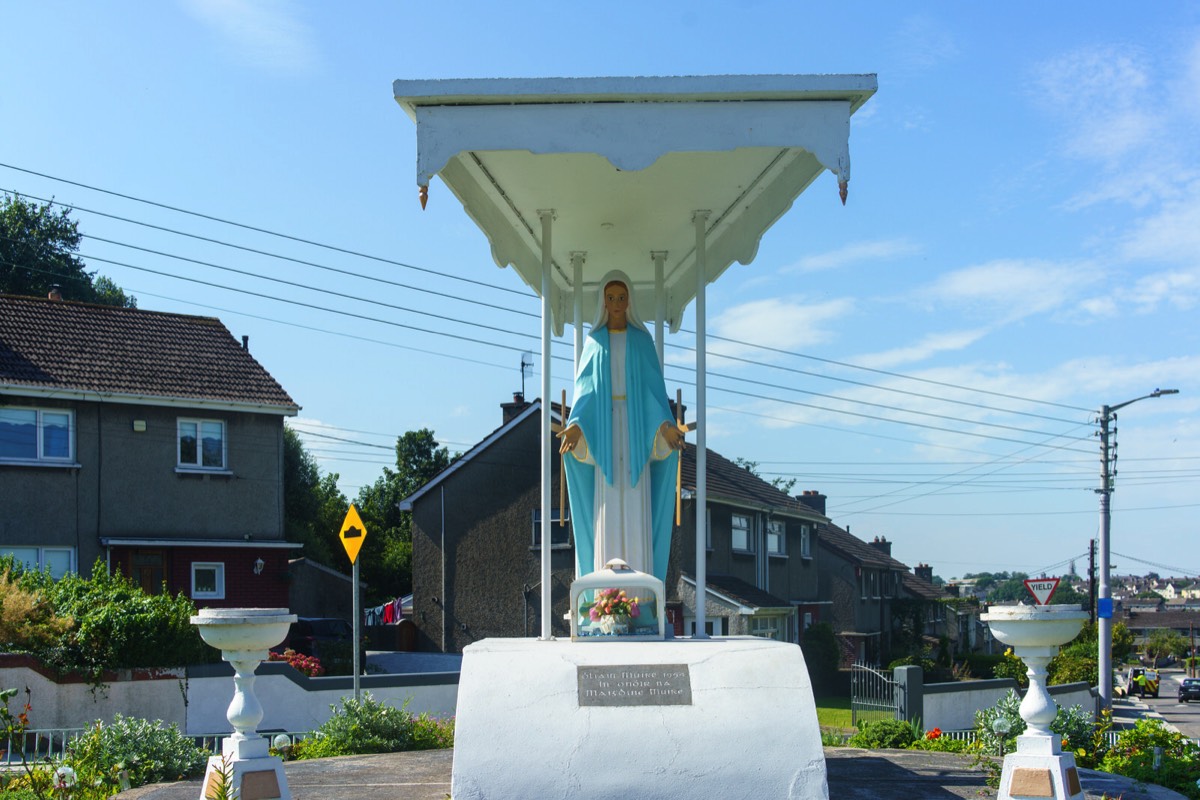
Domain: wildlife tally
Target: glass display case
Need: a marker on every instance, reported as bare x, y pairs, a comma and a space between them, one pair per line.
617, 603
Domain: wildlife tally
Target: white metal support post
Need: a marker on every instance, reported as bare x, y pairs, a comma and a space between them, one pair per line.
577, 259
660, 304
1104, 593
547, 217
700, 220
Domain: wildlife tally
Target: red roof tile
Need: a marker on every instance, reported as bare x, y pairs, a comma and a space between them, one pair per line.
60, 345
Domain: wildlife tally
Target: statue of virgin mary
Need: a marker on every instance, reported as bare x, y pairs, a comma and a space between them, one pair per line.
622, 441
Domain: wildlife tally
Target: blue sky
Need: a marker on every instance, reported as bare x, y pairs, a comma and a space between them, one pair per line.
1020, 246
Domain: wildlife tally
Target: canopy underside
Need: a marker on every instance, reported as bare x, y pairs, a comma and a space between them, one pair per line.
624, 164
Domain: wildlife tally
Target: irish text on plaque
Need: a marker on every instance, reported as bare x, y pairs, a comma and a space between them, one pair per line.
635, 685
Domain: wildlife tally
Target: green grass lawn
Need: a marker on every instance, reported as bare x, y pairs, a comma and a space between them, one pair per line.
834, 712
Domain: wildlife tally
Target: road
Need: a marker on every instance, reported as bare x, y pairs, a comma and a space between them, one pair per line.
1184, 716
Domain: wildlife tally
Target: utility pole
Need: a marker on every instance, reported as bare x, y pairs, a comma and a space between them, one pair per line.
1104, 604
1092, 581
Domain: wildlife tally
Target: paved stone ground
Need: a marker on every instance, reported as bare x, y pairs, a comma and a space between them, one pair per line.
853, 775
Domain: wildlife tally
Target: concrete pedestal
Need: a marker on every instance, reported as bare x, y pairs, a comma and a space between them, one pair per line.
1039, 769
252, 773
729, 717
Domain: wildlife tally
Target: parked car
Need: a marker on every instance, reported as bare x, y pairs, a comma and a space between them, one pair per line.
1189, 689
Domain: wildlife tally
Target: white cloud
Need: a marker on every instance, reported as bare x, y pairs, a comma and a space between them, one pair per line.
785, 324
264, 33
854, 253
1173, 234
1011, 289
927, 347
1105, 98
1178, 288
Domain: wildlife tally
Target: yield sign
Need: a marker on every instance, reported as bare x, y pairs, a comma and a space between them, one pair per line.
1041, 588
353, 532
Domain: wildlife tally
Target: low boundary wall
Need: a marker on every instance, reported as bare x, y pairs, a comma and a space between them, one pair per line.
196, 698
952, 706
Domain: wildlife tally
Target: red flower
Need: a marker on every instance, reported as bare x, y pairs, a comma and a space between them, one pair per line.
936, 733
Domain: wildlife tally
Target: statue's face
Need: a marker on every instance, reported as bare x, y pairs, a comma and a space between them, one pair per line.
616, 302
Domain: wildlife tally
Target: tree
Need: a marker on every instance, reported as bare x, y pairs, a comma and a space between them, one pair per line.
1009, 588
781, 483
313, 506
822, 656
38, 246
387, 550
1163, 642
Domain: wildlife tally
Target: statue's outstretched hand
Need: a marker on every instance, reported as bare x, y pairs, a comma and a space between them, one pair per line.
570, 439
672, 435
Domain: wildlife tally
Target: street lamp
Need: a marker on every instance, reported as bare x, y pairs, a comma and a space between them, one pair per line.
1104, 605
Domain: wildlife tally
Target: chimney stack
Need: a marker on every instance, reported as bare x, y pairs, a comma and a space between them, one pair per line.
881, 543
55, 293
924, 572
245, 342
814, 500
511, 410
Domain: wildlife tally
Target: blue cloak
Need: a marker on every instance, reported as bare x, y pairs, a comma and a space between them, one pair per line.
647, 407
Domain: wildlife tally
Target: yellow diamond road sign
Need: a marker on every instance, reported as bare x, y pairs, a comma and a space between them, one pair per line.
353, 533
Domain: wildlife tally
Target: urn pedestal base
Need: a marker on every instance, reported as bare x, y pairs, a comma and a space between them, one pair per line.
1039, 769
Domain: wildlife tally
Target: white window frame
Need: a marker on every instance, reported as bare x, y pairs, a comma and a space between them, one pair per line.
777, 529
749, 548
38, 562
218, 592
805, 540
39, 451
769, 627
199, 465
557, 517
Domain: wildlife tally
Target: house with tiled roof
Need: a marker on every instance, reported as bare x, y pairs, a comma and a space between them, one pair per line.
149, 442
774, 563
761, 567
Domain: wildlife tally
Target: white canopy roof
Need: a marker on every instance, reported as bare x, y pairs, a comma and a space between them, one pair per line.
624, 163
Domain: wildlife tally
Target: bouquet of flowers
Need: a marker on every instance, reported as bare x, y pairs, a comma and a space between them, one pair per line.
613, 603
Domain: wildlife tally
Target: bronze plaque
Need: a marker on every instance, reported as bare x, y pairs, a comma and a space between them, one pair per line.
260, 785
635, 685
1028, 782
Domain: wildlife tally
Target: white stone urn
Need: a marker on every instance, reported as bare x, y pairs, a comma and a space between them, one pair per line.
1039, 768
1035, 633
245, 636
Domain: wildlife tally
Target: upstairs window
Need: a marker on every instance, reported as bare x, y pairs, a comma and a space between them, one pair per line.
776, 538
201, 444
37, 435
806, 541
740, 533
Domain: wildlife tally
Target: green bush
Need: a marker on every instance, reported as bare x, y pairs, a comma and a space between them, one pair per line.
1011, 666
822, 657
883, 733
116, 624
359, 727
1133, 757
940, 744
983, 664
148, 751
1080, 734
432, 733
